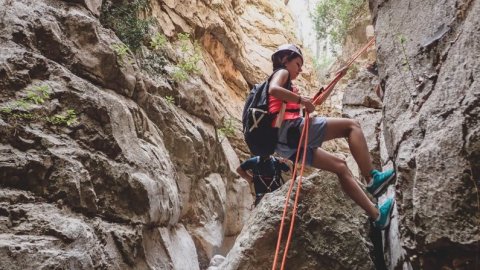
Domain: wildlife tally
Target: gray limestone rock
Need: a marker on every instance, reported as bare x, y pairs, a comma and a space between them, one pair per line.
430, 121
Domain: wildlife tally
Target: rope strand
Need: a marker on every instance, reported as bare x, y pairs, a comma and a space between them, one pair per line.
306, 127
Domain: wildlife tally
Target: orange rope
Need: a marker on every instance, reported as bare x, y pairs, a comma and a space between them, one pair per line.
337, 78
305, 129
306, 126
287, 201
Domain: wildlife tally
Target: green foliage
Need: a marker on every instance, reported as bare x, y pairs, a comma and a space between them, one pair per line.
154, 61
184, 39
227, 129
37, 95
23, 115
188, 64
170, 100
124, 19
6, 110
158, 41
406, 63
68, 118
21, 103
334, 18
179, 75
34, 98
122, 51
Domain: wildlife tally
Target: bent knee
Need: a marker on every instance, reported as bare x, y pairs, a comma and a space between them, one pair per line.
354, 123
340, 167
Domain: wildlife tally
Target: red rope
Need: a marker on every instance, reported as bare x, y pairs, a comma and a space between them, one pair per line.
285, 208
316, 99
306, 126
323, 94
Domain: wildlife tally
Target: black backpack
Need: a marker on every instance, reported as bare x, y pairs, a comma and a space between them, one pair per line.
260, 136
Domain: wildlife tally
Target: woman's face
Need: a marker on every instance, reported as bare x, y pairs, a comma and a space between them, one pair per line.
294, 67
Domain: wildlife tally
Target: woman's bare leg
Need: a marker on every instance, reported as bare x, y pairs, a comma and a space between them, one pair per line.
326, 161
350, 129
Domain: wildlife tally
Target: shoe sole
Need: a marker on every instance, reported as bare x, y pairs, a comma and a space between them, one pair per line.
382, 187
387, 223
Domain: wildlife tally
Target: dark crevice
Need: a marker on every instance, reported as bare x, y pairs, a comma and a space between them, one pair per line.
377, 253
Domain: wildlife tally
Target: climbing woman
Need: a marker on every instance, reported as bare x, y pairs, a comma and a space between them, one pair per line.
288, 58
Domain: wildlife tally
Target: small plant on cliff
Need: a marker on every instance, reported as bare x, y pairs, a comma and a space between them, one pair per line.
170, 100
403, 40
67, 118
334, 18
227, 129
35, 95
158, 41
38, 94
190, 63
122, 52
123, 18
190, 57
21, 104
179, 75
153, 61
20, 109
6, 110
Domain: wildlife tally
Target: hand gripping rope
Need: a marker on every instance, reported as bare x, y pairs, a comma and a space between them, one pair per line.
318, 99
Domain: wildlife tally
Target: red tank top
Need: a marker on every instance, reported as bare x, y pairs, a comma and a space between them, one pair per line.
274, 105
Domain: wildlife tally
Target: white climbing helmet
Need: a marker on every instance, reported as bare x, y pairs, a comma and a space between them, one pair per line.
288, 47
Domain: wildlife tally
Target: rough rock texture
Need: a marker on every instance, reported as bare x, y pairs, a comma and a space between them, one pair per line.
137, 182
360, 102
428, 55
329, 231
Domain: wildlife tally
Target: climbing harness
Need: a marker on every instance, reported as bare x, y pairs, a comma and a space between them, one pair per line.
269, 182
319, 98
269, 186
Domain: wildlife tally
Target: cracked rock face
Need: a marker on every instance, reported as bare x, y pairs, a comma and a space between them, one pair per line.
360, 102
431, 126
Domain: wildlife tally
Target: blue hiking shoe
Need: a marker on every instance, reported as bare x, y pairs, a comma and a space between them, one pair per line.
385, 210
380, 181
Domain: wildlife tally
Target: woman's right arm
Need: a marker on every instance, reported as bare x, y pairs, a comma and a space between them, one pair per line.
276, 89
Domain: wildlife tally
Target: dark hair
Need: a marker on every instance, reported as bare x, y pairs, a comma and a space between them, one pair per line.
277, 58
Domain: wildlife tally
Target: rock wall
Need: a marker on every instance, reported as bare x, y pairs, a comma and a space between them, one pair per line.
330, 231
360, 102
138, 177
428, 57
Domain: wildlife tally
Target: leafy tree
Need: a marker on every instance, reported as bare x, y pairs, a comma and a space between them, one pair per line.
123, 18
334, 18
